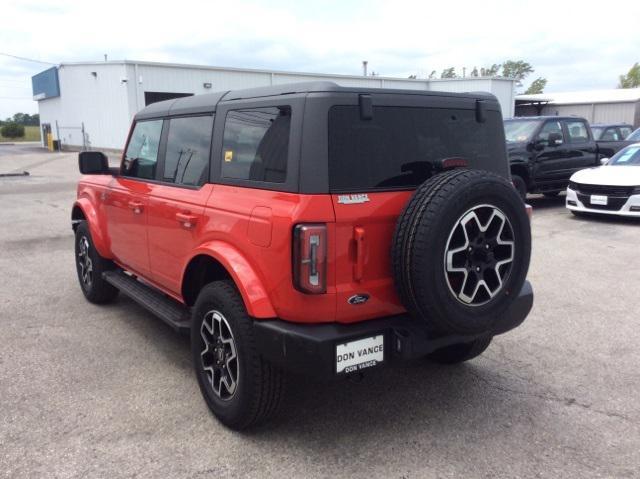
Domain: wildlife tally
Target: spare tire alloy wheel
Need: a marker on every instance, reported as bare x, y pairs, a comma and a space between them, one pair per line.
479, 254
219, 356
461, 251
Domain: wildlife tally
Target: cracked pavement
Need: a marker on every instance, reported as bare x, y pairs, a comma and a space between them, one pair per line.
88, 391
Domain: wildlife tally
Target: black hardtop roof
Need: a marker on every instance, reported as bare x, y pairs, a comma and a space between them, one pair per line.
547, 117
208, 102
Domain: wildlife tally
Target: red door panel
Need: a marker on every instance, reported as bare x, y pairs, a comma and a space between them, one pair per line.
175, 225
126, 203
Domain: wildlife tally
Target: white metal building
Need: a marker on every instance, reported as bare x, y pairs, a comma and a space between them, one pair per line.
93, 103
598, 106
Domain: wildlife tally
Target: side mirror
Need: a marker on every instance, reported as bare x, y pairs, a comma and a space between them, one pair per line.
93, 163
538, 145
554, 139
604, 161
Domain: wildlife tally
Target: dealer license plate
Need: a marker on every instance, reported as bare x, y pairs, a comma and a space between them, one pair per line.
361, 354
599, 200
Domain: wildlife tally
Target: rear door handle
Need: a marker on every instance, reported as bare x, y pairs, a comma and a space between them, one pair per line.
358, 268
136, 206
187, 220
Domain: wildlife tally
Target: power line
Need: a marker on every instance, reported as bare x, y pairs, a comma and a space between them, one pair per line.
26, 59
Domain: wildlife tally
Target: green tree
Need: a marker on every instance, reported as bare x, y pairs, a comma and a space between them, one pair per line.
474, 72
12, 130
632, 78
449, 73
491, 71
433, 74
537, 86
516, 69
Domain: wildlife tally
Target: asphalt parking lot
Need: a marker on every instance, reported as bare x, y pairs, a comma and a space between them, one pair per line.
88, 391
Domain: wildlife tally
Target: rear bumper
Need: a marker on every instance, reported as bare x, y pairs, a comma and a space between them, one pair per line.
311, 349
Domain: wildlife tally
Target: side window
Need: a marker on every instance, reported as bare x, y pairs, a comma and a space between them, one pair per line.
610, 134
256, 144
188, 146
625, 131
142, 152
577, 131
548, 128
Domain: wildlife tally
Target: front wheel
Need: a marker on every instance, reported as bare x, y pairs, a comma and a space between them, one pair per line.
458, 353
239, 386
90, 266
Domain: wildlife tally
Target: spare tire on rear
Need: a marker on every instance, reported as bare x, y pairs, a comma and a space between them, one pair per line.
461, 251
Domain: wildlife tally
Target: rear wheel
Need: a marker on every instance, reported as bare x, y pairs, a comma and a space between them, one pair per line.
90, 266
458, 353
238, 385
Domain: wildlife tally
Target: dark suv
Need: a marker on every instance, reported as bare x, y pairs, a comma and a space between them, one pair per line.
309, 228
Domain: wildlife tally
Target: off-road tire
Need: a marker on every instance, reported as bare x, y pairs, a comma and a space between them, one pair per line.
458, 353
520, 185
260, 384
422, 235
97, 290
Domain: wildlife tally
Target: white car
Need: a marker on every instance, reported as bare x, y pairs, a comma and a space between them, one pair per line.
612, 189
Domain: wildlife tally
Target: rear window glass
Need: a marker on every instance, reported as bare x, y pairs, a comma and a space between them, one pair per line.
256, 144
399, 146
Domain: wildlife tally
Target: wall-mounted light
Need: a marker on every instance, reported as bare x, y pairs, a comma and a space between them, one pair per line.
207, 85
94, 74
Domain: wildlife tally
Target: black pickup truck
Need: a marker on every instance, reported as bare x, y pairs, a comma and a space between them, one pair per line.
611, 137
544, 151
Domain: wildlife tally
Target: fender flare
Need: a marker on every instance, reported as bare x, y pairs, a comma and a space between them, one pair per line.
244, 276
98, 235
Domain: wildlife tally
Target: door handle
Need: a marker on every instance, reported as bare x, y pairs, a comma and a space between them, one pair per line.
358, 268
136, 206
187, 220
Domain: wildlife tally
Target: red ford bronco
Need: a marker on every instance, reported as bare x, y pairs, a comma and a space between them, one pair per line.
309, 228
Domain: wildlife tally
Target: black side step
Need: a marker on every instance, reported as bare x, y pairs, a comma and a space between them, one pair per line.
170, 311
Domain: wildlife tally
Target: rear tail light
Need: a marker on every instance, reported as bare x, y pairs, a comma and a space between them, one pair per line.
310, 258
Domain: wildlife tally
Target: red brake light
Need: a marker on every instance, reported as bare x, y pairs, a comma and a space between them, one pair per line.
310, 258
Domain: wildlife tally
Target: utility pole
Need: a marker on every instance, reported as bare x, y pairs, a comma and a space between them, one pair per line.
364, 67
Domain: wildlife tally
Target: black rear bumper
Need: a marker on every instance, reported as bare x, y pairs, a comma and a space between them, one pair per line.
311, 348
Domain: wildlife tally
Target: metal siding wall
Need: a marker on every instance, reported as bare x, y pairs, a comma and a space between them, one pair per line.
100, 102
614, 113
503, 90
584, 111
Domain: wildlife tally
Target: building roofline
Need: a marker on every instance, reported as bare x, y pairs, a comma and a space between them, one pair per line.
279, 72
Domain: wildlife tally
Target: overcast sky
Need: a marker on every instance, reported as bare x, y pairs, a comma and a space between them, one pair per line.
575, 45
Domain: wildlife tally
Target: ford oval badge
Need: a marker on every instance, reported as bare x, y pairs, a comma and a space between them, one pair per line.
358, 299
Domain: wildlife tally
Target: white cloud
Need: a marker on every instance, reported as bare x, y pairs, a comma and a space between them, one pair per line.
570, 43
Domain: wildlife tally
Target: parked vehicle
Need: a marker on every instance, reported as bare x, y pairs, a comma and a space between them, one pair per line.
309, 228
635, 136
613, 188
611, 137
545, 151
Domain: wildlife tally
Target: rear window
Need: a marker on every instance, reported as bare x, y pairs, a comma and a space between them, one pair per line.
398, 148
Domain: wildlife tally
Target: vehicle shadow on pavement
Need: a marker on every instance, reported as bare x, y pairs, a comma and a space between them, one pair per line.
401, 397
